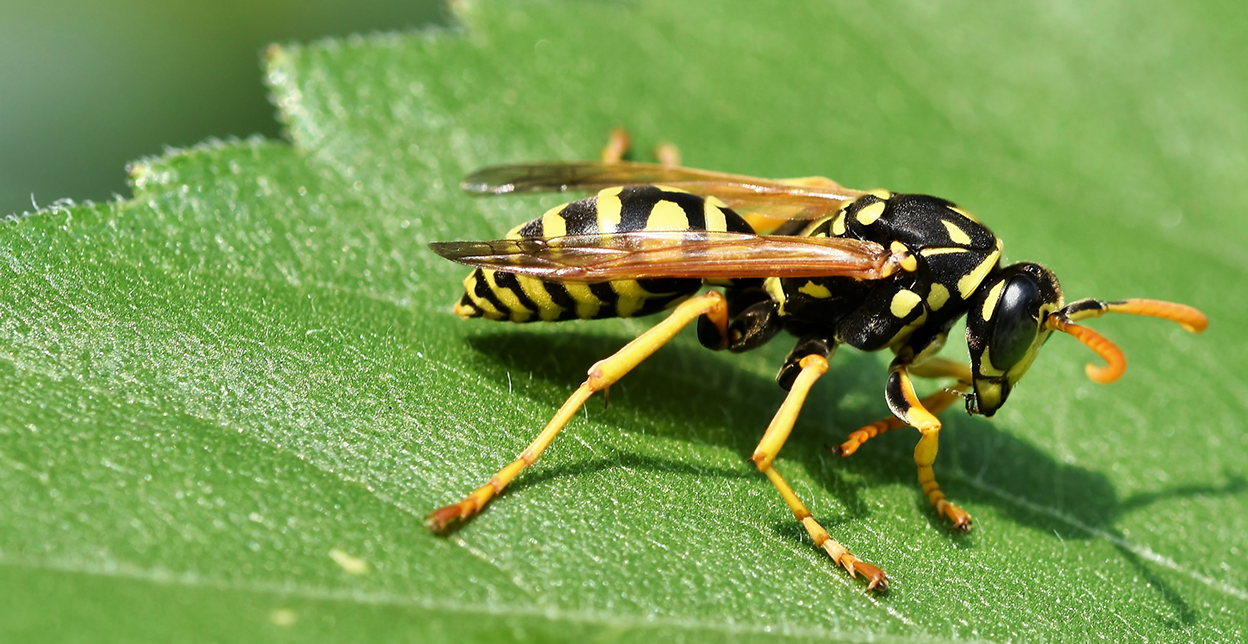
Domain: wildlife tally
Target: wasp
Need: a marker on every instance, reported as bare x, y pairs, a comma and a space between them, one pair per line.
832, 266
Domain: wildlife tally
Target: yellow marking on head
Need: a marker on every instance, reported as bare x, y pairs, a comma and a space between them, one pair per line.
956, 235
972, 280
519, 312
880, 193
553, 223
667, 215
937, 296
928, 252
987, 368
870, 213
587, 304
964, 213
715, 218
838, 225
990, 302
814, 290
536, 290
908, 263
609, 208
903, 303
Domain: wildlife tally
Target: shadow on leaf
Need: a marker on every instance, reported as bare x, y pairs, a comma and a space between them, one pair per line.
979, 464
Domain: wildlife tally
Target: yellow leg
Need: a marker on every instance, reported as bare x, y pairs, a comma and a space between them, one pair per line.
813, 366
667, 154
619, 141
617, 145
602, 375
906, 403
935, 403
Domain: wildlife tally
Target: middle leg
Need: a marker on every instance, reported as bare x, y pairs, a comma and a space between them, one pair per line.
907, 406
812, 367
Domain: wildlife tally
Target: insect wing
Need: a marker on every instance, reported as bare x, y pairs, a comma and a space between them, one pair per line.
799, 199
691, 254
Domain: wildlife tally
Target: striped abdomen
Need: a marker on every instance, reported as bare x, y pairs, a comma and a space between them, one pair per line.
498, 295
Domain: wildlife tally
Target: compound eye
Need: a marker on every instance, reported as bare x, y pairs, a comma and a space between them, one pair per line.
1016, 322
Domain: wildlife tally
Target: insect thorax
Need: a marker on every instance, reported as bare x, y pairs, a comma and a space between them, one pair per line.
948, 253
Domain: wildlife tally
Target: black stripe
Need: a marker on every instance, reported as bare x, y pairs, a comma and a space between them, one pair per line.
466, 301
581, 217
693, 205
509, 282
609, 298
636, 203
532, 229
668, 285
484, 292
559, 295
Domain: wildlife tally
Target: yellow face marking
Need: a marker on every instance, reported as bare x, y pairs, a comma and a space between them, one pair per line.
964, 213
814, 290
990, 303
536, 290
667, 215
587, 304
986, 367
880, 193
956, 235
838, 226
869, 214
609, 208
937, 296
903, 303
971, 280
712, 212
553, 224
928, 252
909, 264
519, 313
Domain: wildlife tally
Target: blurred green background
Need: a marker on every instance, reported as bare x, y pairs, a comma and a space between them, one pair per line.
87, 87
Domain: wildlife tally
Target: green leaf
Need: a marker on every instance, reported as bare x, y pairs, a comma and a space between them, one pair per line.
230, 400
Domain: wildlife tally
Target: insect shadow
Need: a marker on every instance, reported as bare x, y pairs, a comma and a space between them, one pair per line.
979, 464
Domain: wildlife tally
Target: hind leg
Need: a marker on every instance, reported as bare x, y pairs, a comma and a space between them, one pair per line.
619, 141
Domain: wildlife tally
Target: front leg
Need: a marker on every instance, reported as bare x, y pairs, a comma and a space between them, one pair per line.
907, 406
935, 403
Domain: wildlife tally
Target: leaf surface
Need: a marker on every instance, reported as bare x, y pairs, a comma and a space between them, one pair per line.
231, 399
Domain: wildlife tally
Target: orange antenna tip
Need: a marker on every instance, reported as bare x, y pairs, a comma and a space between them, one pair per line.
1192, 320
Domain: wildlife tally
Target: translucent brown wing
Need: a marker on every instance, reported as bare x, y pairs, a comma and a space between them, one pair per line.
693, 254
792, 199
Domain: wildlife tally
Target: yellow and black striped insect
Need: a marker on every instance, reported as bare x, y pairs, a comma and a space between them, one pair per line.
872, 270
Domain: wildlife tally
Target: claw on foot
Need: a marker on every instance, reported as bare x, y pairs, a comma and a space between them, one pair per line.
961, 520
876, 579
447, 518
